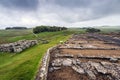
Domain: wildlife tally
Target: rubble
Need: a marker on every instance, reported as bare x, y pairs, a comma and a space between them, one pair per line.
67, 62
91, 75
78, 69
99, 68
113, 69
57, 62
76, 62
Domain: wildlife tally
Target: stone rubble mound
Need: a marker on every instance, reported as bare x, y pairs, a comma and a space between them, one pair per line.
18, 46
90, 68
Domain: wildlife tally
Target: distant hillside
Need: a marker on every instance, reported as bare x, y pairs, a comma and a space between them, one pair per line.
109, 28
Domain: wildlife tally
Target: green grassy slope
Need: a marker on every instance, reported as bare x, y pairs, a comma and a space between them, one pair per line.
23, 66
5, 35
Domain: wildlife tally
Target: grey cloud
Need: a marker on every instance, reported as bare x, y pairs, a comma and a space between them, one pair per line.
19, 4
81, 10
87, 3
73, 3
107, 7
56, 11
99, 8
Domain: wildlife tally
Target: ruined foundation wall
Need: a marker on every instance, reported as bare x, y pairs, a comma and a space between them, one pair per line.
43, 71
18, 46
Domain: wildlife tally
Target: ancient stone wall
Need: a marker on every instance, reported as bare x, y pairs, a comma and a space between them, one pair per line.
43, 71
18, 46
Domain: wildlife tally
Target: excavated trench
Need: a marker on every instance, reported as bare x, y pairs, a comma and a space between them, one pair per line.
84, 57
64, 66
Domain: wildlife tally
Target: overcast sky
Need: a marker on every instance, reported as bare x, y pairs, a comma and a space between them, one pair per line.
71, 13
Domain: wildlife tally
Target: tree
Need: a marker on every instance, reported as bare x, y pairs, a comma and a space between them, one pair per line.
39, 29
92, 30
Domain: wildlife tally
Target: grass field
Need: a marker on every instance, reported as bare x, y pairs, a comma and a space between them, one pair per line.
14, 35
23, 66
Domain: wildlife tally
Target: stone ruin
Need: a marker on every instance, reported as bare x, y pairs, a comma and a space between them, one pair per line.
43, 71
68, 61
18, 46
93, 70
86, 68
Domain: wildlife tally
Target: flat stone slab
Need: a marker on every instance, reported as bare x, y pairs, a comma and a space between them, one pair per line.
67, 62
78, 69
91, 75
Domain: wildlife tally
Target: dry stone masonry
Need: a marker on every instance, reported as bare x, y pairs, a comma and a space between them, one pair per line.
18, 46
43, 71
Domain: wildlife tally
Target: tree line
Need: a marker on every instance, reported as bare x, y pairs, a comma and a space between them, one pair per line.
92, 30
8, 28
39, 29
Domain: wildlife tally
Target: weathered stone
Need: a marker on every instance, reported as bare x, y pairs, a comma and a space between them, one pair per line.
74, 62
51, 69
112, 69
79, 55
54, 68
18, 50
67, 62
17, 46
108, 65
99, 68
91, 75
114, 74
42, 75
57, 62
114, 60
78, 61
86, 66
64, 55
78, 69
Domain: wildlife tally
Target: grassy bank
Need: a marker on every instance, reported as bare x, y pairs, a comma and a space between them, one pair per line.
23, 66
